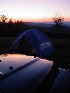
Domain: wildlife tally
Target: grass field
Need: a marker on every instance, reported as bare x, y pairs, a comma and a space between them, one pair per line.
62, 50
62, 53
5, 43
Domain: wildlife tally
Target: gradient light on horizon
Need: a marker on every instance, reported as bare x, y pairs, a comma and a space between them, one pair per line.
35, 10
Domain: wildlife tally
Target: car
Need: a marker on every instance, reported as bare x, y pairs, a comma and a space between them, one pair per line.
29, 74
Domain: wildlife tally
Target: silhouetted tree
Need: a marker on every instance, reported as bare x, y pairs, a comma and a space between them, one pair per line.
58, 22
10, 20
3, 18
58, 19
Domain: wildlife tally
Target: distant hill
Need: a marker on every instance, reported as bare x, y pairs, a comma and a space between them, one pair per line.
46, 24
67, 24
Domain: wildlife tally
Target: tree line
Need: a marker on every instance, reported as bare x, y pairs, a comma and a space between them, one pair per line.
10, 28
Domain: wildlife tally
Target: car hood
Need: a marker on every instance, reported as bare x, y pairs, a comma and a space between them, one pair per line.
20, 72
61, 83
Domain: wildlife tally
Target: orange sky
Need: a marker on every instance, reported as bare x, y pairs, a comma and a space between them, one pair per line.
43, 19
35, 10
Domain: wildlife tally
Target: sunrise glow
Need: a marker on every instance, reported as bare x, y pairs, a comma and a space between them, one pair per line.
35, 10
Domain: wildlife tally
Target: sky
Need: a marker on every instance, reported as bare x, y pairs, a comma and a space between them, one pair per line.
35, 10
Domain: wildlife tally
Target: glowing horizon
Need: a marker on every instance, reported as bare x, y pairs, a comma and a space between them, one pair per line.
35, 10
